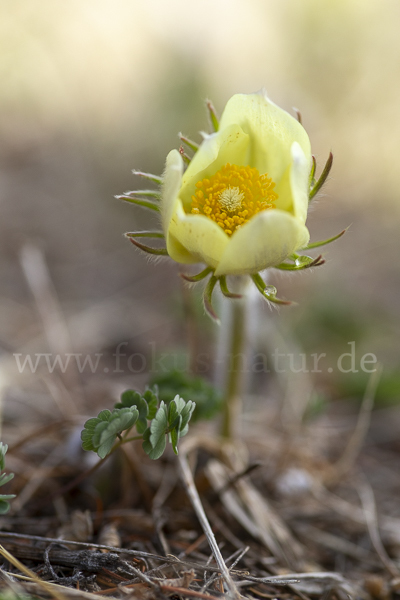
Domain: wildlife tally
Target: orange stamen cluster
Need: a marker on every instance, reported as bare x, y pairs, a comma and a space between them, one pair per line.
233, 195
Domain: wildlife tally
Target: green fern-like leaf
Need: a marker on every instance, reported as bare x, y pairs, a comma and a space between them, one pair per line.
155, 422
100, 433
158, 430
157, 450
128, 398
146, 404
207, 398
171, 420
90, 428
180, 414
151, 396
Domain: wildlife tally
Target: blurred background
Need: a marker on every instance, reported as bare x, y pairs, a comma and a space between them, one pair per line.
90, 90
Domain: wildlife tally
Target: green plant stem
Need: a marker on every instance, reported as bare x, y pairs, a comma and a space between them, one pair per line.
234, 368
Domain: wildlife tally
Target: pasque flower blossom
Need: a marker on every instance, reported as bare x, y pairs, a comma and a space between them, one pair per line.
241, 205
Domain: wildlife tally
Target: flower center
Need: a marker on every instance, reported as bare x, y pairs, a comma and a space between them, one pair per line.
233, 195
231, 199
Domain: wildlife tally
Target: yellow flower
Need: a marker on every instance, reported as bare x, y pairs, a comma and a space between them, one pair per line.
241, 205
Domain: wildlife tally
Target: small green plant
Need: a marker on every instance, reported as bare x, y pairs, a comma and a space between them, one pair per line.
4, 478
207, 398
237, 204
155, 421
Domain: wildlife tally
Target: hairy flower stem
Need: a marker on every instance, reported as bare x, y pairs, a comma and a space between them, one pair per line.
234, 364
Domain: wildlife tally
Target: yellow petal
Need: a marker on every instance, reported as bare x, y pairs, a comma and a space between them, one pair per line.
271, 129
170, 189
172, 180
228, 146
192, 238
178, 252
299, 175
292, 189
256, 132
201, 238
266, 240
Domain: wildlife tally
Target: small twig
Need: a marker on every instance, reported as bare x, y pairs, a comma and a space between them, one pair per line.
294, 578
186, 592
236, 477
201, 515
167, 485
209, 581
253, 512
171, 560
43, 584
219, 524
368, 501
68, 592
138, 573
175, 591
48, 563
355, 443
240, 554
159, 522
214, 576
194, 546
